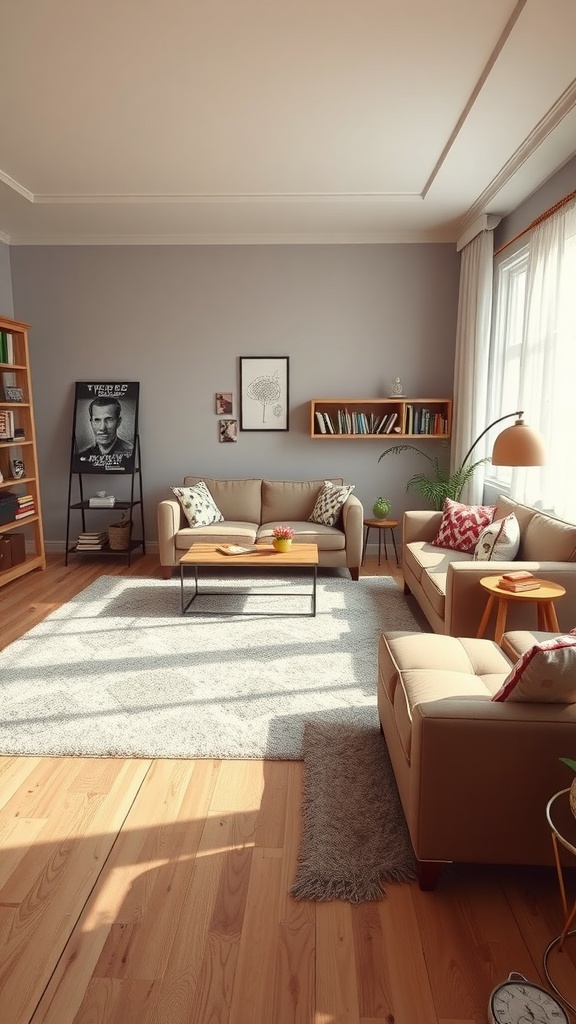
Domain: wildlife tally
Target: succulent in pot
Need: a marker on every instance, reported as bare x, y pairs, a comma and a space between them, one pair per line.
282, 537
381, 508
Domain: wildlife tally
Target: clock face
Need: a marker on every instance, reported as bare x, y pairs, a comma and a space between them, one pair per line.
522, 1003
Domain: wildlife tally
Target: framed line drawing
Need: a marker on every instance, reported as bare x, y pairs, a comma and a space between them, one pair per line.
264, 393
105, 427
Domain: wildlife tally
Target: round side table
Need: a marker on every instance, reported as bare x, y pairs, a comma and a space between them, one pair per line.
381, 525
543, 598
559, 835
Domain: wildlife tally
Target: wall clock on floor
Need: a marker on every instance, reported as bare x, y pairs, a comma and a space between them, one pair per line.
518, 1001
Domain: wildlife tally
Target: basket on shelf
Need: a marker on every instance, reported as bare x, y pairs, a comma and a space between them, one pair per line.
119, 533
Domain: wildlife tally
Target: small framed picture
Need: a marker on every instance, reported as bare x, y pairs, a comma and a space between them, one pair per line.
228, 430
224, 403
264, 393
14, 394
18, 468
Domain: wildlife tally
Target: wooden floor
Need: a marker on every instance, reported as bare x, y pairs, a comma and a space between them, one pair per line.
155, 892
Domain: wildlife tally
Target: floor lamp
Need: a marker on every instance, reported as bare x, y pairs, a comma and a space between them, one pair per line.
517, 445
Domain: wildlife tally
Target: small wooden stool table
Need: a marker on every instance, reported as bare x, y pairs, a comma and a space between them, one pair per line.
543, 597
381, 525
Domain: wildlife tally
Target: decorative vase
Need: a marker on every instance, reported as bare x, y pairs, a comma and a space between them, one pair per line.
281, 543
381, 508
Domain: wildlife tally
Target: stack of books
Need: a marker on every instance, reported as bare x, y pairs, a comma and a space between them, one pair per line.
99, 501
518, 581
92, 541
26, 506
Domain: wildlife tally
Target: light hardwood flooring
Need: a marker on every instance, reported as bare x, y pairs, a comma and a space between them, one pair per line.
155, 892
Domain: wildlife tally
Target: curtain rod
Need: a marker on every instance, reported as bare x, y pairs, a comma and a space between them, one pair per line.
543, 216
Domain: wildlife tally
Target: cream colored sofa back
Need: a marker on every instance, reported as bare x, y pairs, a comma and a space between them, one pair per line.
291, 500
542, 537
238, 500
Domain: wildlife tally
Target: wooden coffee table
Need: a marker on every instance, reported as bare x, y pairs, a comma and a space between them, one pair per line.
263, 556
543, 598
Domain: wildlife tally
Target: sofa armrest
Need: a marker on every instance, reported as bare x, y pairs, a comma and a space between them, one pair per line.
466, 599
169, 517
421, 524
353, 526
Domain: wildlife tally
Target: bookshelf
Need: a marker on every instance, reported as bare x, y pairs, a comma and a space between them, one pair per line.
18, 442
382, 418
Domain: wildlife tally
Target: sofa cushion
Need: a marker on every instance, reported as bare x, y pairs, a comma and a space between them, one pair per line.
238, 500
326, 537
461, 525
499, 541
286, 501
549, 540
198, 505
330, 500
545, 673
420, 556
217, 533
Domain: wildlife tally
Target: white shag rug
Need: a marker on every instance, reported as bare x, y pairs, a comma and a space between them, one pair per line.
118, 671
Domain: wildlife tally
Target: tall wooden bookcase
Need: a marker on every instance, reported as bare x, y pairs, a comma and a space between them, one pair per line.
18, 442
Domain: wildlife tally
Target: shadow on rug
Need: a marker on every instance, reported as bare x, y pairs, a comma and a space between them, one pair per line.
354, 834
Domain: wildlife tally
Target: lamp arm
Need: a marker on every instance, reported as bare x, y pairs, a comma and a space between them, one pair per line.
519, 413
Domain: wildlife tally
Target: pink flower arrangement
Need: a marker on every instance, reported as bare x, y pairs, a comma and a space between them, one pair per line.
283, 533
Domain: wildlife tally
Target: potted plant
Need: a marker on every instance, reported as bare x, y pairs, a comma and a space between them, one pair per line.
438, 485
282, 537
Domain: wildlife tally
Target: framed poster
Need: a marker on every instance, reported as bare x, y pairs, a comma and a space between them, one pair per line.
264, 393
105, 427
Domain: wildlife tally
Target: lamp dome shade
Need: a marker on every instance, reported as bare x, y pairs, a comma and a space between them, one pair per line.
519, 445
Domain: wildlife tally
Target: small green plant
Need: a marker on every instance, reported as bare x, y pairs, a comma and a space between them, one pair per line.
440, 485
571, 764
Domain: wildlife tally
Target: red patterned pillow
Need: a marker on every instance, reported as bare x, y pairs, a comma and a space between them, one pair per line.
546, 672
462, 525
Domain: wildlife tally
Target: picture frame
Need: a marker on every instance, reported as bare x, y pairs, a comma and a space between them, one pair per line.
223, 403
228, 430
264, 393
105, 427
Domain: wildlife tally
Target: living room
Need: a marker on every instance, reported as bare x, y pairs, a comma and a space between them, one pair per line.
144, 888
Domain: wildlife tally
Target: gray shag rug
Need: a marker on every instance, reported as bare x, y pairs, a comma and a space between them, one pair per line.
118, 671
355, 836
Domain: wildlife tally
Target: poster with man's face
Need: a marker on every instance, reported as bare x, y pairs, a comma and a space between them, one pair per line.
105, 427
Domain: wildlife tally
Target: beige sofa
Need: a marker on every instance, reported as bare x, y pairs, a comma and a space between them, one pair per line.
474, 776
252, 508
445, 582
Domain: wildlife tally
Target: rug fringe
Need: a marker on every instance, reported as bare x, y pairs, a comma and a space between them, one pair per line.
358, 890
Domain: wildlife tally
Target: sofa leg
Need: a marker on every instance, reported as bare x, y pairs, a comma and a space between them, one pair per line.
406, 588
429, 872
355, 572
166, 571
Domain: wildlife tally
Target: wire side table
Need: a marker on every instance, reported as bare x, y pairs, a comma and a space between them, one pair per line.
569, 914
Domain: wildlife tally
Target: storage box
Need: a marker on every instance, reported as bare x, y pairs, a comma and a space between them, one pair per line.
5, 553
8, 509
17, 547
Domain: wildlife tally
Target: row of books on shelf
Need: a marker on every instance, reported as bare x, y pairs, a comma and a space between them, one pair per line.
424, 421
344, 421
92, 540
14, 507
6, 347
8, 429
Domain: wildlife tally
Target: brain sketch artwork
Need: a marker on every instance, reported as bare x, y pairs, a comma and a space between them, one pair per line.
266, 390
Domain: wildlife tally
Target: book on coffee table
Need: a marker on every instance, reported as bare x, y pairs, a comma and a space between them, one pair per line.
235, 549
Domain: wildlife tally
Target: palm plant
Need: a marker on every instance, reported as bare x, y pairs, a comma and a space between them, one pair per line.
440, 485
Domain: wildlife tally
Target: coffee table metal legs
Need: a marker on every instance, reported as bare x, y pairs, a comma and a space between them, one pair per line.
185, 605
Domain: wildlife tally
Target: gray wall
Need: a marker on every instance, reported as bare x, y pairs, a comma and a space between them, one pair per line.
176, 318
6, 303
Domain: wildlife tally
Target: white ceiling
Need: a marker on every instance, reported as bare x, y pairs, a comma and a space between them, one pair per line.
206, 121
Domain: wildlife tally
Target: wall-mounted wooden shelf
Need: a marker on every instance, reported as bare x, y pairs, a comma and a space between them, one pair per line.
382, 418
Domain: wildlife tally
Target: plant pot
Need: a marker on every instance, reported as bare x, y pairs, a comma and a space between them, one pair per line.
381, 508
281, 543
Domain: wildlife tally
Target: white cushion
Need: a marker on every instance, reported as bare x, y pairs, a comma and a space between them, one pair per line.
330, 500
499, 541
545, 673
198, 505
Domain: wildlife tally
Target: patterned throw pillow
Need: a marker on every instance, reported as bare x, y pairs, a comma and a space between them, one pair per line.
546, 673
499, 541
198, 505
330, 499
462, 525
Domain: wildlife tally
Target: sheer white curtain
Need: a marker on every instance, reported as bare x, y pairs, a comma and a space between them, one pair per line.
472, 354
548, 363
